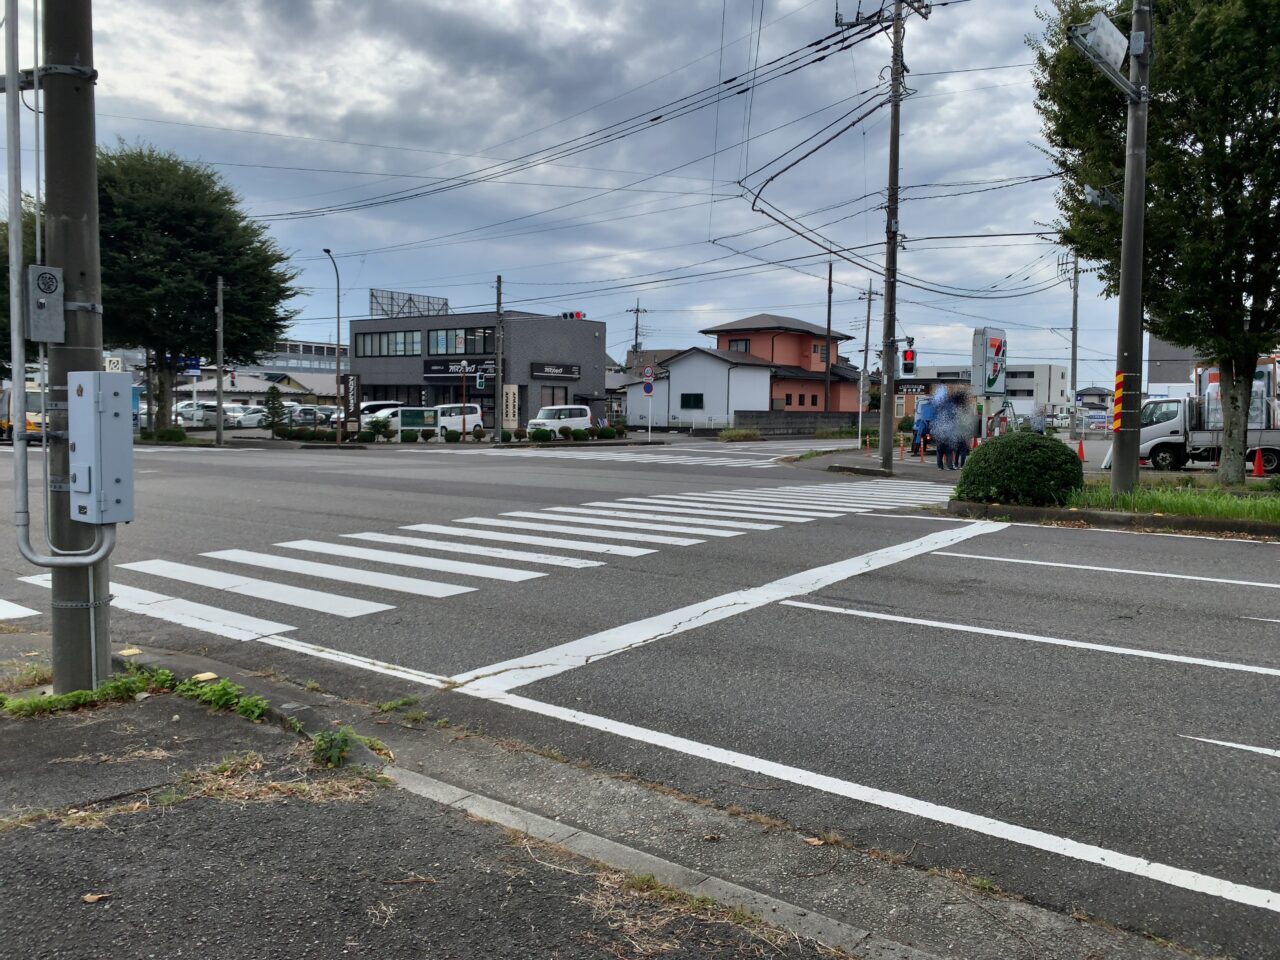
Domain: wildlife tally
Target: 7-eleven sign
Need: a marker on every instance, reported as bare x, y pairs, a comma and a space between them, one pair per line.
990, 358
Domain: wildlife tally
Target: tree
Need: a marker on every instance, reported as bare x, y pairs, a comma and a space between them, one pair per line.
1212, 270
276, 414
169, 229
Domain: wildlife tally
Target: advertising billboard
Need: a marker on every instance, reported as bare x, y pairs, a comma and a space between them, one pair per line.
990, 357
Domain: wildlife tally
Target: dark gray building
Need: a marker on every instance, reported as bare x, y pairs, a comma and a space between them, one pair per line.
417, 360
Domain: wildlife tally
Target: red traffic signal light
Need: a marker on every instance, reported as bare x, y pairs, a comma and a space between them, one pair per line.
573, 315
908, 362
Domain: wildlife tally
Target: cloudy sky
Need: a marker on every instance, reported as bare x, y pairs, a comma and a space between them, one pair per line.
391, 110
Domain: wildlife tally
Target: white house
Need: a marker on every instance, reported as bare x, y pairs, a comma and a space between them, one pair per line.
702, 388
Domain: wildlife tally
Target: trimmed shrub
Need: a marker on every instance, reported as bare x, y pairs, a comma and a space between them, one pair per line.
506, 436
621, 429
580, 436
325, 436
740, 434
478, 432
566, 432
607, 433
171, 435
365, 436
542, 435
453, 436
593, 431
1021, 468
281, 432
906, 425
408, 436
145, 434
521, 433
428, 435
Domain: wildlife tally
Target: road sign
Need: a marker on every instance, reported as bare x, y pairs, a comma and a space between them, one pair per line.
648, 374
648, 388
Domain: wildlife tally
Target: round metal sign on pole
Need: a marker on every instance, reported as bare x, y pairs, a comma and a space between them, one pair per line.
648, 373
648, 389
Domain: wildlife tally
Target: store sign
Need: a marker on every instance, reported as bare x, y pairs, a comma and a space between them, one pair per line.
555, 371
990, 357
909, 389
452, 369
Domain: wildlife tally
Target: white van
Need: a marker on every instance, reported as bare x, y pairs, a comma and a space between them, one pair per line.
452, 415
553, 418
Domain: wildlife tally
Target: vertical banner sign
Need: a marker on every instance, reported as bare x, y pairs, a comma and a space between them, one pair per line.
990, 358
1117, 402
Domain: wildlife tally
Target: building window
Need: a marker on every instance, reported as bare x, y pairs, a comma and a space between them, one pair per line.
802, 399
813, 400
555, 396
397, 343
460, 341
740, 346
788, 399
900, 407
690, 401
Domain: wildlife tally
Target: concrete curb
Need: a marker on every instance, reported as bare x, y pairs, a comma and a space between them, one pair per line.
1113, 519
859, 471
814, 926
284, 709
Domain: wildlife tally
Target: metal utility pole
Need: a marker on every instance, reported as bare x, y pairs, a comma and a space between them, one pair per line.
826, 381
81, 638
866, 357
635, 348
1124, 456
337, 346
218, 364
499, 401
889, 350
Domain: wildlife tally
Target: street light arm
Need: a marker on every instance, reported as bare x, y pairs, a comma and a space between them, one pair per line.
337, 345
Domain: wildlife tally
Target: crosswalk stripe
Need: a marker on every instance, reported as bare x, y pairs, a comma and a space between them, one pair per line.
471, 549
460, 567
337, 605
659, 527
328, 571
628, 514
15, 611
184, 613
686, 506
616, 550
561, 528
711, 499
815, 503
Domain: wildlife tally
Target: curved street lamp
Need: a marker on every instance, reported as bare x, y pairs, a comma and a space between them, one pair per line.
337, 347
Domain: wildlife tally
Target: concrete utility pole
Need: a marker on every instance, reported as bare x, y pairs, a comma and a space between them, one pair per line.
81, 637
863, 383
826, 381
889, 350
337, 346
1124, 456
499, 401
1075, 341
218, 364
635, 348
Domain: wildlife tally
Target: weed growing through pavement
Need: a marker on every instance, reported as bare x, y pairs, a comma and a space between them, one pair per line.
16, 676
389, 706
121, 687
329, 748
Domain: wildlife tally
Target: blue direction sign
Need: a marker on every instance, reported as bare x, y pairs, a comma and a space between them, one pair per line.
648, 389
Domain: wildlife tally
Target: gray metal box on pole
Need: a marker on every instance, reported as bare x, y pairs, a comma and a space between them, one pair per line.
45, 322
100, 446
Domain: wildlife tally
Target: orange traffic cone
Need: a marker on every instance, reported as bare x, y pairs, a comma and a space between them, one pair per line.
1080, 452
1257, 464
902, 448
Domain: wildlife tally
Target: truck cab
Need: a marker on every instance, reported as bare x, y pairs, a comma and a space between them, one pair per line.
1177, 431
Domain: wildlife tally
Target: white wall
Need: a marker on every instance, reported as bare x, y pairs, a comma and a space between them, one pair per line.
724, 388
638, 405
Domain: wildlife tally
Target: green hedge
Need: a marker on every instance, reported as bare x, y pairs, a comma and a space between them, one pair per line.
1021, 468
521, 433
171, 435
453, 436
365, 436
580, 436
542, 435
408, 436
506, 436
607, 433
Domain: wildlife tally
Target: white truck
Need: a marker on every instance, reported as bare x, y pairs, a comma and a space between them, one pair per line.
1178, 431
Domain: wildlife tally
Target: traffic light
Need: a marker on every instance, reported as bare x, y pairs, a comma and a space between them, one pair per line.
479, 381
909, 362
573, 315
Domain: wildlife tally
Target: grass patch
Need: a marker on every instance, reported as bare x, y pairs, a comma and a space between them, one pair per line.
16, 676
814, 454
740, 435
1179, 501
389, 706
121, 687
836, 433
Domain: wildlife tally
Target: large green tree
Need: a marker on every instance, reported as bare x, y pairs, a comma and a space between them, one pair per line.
169, 229
1212, 273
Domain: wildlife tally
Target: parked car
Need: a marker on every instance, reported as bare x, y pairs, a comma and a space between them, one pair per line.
459, 416
553, 418
246, 417
370, 408
396, 416
326, 414
304, 416
189, 413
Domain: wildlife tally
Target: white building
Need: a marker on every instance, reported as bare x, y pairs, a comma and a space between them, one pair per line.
702, 388
1029, 387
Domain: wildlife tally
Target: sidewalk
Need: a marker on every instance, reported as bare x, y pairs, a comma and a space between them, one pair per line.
158, 828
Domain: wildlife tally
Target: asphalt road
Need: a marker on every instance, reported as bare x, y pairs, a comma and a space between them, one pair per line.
1086, 718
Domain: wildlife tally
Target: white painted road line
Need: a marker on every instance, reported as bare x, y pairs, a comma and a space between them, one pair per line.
15, 611
569, 528
1136, 573
184, 613
628, 515
627, 525
1266, 752
1035, 638
706, 500
329, 571
1261, 619
517, 672
950, 816
580, 545
474, 550
353, 660
395, 558
688, 508
338, 606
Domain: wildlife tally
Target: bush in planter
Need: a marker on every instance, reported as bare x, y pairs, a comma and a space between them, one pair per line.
478, 432
171, 435
506, 436
593, 431
453, 436
542, 435
520, 433
1021, 468
408, 436
579, 436
565, 432
305, 434
427, 435
281, 432
620, 429
607, 433
365, 436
